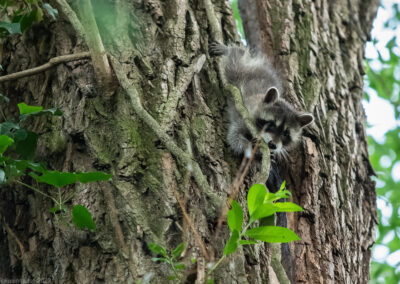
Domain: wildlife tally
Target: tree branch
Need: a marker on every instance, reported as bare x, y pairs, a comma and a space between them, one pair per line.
87, 28
52, 62
181, 155
64, 7
179, 90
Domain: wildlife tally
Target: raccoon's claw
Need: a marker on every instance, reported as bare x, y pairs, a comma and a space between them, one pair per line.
217, 49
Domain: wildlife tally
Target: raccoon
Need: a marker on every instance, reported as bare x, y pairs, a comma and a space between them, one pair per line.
278, 123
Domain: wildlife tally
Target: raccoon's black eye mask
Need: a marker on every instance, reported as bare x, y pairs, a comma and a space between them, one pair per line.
265, 124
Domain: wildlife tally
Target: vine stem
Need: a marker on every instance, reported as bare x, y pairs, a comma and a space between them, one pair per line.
38, 191
224, 256
171, 263
216, 265
2, 114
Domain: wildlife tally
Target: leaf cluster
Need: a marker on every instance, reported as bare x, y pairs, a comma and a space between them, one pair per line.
171, 259
18, 16
260, 204
17, 150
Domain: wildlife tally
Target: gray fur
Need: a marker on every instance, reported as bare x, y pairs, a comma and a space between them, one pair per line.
279, 123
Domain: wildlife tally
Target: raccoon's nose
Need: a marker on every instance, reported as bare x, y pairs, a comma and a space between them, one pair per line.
271, 145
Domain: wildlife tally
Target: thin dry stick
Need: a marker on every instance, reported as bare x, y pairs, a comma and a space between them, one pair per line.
52, 62
242, 172
190, 222
11, 233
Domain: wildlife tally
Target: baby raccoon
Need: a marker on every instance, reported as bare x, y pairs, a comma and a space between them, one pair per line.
279, 124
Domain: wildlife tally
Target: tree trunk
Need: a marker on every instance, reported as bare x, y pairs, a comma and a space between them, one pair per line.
162, 47
318, 46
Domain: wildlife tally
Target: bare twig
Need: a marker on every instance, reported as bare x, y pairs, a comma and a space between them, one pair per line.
52, 62
235, 187
12, 234
64, 7
191, 225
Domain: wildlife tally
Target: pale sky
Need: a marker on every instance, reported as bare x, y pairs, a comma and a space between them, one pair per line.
381, 118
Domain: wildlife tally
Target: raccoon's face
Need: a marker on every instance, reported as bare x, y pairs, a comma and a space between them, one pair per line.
280, 125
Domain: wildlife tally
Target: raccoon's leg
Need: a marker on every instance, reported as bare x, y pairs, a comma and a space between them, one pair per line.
239, 138
218, 49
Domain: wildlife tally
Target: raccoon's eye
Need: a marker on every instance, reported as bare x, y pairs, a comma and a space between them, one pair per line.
262, 123
286, 133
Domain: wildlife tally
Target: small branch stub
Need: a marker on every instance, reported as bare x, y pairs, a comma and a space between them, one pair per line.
52, 62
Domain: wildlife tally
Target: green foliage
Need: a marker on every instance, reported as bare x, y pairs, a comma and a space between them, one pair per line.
385, 156
236, 16
260, 204
18, 16
171, 259
272, 234
17, 149
235, 217
59, 179
82, 218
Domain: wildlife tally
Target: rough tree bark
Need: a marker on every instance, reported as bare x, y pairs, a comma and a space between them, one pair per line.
318, 46
160, 46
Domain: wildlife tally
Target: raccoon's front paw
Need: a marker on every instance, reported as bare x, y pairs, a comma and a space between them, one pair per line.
217, 49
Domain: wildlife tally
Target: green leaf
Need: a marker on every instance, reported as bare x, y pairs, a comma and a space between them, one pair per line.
82, 218
5, 141
11, 28
264, 210
255, 197
55, 178
25, 143
272, 234
26, 109
157, 249
210, 281
27, 20
51, 11
193, 260
171, 277
39, 14
246, 242
8, 128
232, 244
179, 266
282, 192
269, 197
178, 250
155, 259
92, 176
60, 179
235, 217
287, 207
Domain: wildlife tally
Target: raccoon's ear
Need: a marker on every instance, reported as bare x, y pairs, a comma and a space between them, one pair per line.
271, 95
305, 119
